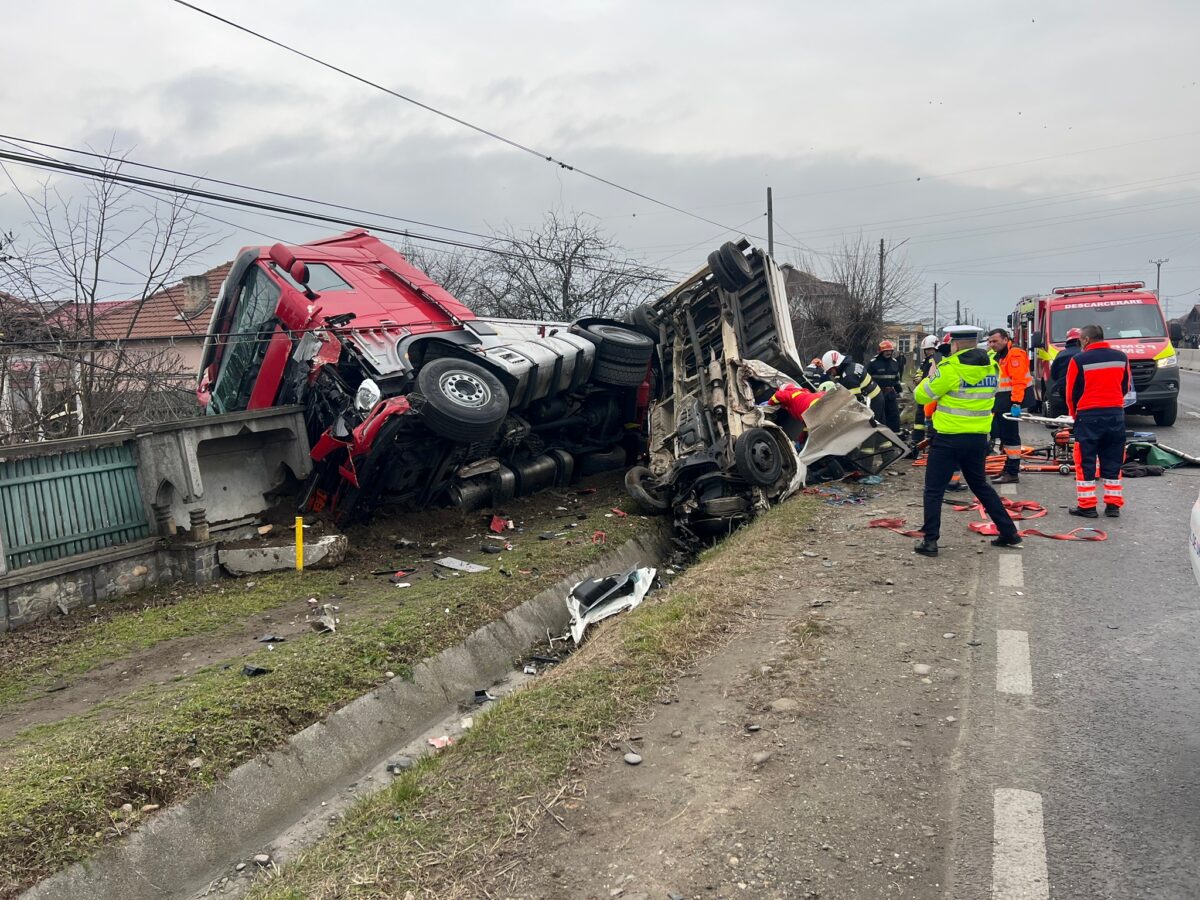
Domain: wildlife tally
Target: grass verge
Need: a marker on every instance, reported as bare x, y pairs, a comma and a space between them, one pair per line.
435, 829
63, 785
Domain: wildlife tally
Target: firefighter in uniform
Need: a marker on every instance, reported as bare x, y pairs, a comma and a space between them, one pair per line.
886, 370
1097, 381
928, 356
1013, 363
1058, 371
964, 388
841, 369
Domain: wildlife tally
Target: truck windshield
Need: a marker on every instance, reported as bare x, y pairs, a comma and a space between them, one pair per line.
1124, 320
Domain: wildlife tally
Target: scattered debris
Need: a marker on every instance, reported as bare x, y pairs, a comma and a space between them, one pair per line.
595, 599
400, 764
323, 624
150, 807
531, 670
441, 743
252, 671
754, 728
264, 530
619, 513
458, 565
500, 524
483, 696
633, 759
272, 639
467, 724
262, 859
494, 548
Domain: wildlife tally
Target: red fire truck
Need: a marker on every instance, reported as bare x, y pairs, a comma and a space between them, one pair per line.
1133, 323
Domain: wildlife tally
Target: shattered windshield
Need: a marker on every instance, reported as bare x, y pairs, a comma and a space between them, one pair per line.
1123, 319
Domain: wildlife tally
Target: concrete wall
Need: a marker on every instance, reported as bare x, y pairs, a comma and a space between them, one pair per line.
32, 593
226, 465
1189, 360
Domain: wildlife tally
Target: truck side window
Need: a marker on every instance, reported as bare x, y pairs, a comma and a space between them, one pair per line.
244, 349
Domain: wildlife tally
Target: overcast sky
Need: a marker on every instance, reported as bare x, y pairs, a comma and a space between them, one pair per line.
1014, 146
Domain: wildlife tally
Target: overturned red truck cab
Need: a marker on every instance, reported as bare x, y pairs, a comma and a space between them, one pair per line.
410, 397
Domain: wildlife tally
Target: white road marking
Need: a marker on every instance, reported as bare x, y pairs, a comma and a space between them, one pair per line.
1011, 573
1013, 675
1008, 490
1019, 847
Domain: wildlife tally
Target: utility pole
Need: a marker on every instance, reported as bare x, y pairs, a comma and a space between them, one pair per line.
879, 293
957, 313
935, 307
770, 224
1158, 264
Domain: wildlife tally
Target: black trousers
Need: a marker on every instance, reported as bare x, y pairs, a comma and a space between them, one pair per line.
891, 408
1009, 433
1099, 438
967, 452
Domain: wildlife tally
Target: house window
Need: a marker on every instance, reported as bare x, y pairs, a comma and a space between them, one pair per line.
905, 344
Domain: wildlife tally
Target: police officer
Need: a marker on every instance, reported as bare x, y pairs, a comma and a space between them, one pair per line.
1013, 363
886, 370
841, 369
964, 387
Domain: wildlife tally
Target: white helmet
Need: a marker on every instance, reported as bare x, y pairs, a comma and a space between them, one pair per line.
831, 360
929, 343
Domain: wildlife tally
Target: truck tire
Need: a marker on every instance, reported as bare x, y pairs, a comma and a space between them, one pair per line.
1165, 416
619, 374
620, 345
756, 455
463, 400
641, 319
639, 483
730, 267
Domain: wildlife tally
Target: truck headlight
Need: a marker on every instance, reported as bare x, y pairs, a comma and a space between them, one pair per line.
368, 395
1167, 361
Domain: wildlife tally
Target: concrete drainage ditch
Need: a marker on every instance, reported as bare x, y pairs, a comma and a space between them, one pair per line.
282, 802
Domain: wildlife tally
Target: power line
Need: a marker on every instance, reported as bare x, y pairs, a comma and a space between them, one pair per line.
516, 145
213, 197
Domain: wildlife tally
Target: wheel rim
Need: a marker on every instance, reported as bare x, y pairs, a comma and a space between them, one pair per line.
762, 457
465, 389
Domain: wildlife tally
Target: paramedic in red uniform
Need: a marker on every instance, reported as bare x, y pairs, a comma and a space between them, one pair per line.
1098, 379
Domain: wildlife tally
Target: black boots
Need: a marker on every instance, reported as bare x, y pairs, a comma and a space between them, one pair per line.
926, 548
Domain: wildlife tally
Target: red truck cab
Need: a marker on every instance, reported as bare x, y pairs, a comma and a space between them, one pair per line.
1133, 322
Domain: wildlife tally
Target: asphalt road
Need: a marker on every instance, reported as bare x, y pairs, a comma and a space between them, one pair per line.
1079, 760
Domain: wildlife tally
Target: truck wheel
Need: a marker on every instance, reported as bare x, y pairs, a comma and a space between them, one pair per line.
756, 455
463, 400
642, 320
1165, 416
619, 374
640, 483
622, 346
730, 267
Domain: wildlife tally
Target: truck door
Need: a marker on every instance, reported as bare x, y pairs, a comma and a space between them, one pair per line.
244, 345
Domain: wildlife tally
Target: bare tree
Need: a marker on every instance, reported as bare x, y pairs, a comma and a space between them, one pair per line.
563, 269
847, 307
113, 243
457, 270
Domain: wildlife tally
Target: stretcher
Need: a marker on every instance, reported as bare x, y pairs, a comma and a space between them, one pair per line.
1059, 455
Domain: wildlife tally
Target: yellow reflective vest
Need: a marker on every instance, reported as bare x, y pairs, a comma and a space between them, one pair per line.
964, 386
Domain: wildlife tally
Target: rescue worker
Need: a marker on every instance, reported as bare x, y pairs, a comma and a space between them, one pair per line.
928, 355
1013, 363
886, 370
964, 388
795, 401
1098, 379
841, 369
1057, 388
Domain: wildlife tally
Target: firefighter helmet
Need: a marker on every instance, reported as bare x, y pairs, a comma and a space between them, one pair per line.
930, 342
886, 345
1074, 334
831, 360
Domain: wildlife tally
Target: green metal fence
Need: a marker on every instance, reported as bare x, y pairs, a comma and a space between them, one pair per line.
68, 503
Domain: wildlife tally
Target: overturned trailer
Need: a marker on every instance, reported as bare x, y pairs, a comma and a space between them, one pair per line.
717, 453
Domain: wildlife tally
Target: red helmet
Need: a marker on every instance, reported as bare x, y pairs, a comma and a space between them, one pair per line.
886, 345
1073, 334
